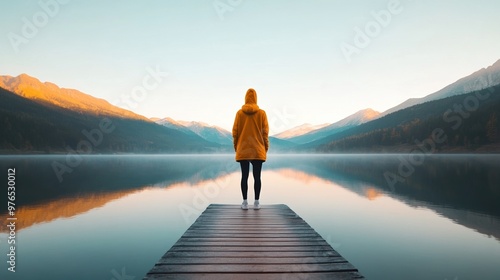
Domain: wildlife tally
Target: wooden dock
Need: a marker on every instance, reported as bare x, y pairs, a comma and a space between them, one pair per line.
226, 242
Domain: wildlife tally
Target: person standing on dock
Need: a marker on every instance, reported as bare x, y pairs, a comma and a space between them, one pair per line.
251, 142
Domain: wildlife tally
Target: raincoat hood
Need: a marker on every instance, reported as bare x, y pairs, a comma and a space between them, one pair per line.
250, 106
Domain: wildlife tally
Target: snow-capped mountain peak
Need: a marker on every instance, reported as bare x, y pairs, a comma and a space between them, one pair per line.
358, 118
208, 132
299, 130
483, 78
355, 119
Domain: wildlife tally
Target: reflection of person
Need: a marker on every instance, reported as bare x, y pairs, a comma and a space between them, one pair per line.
251, 142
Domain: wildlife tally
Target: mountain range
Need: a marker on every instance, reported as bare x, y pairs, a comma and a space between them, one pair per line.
299, 130
208, 132
217, 134
481, 79
444, 125
42, 117
353, 120
51, 95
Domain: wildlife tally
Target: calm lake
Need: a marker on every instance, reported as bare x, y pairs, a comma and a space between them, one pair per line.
391, 216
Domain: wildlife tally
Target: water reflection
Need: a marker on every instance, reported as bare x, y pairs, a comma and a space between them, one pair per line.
42, 197
463, 188
126, 208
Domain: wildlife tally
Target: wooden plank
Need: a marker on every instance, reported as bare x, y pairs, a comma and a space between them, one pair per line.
244, 268
254, 232
251, 227
348, 275
251, 248
259, 243
250, 242
248, 235
226, 242
292, 238
256, 260
239, 233
277, 216
222, 217
259, 220
237, 206
249, 254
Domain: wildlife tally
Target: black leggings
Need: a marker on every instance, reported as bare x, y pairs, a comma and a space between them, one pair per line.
245, 170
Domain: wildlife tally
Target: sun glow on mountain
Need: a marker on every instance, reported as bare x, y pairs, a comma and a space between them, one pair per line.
51, 94
373, 193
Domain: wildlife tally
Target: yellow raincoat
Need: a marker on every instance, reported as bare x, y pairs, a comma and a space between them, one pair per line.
251, 130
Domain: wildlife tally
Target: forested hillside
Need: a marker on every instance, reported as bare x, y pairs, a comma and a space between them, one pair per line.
31, 127
466, 123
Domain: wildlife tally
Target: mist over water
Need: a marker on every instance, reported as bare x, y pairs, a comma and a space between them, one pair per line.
390, 216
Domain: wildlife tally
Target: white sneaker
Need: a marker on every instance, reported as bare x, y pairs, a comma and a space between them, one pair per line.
256, 205
244, 205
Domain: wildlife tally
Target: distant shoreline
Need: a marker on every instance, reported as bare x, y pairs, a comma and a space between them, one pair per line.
490, 149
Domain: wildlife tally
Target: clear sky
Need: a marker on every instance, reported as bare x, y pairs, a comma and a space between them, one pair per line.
306, 59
